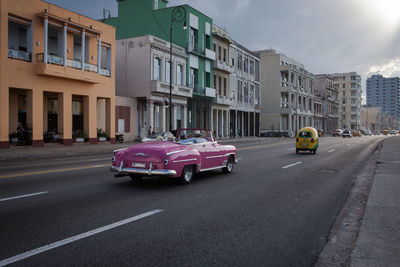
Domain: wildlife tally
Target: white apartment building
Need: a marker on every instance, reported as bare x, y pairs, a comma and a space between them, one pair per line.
349, 86
245, 109
288, 98
143, 86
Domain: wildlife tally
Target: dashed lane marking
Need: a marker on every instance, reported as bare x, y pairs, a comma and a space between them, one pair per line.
63, 242
22, 196
291, 165
330, 151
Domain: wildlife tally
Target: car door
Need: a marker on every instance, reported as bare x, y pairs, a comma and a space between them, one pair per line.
210, 152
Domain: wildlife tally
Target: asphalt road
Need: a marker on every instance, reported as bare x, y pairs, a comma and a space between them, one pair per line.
275, 209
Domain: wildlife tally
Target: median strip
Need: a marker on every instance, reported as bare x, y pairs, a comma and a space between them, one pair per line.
22, 196
66, 241
52, 171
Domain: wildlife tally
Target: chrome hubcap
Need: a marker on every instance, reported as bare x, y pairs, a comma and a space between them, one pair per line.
188, 175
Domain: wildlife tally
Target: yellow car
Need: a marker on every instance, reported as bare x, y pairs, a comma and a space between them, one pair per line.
356, 133
307, 140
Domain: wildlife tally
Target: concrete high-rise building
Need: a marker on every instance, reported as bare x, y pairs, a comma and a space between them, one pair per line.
384, 93
349, 86
329, 98
287, 102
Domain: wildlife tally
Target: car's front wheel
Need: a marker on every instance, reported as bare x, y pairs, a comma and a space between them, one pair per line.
187, 174
229, 165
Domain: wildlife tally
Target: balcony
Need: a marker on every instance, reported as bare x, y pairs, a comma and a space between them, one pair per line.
222, 66
22, 55
163, 87
223, 100
197, 49
210, 54
55, 67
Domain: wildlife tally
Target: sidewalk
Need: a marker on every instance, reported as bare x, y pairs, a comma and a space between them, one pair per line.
50, 150
378, 242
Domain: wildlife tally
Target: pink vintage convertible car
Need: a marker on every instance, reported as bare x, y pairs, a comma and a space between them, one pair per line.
194, 151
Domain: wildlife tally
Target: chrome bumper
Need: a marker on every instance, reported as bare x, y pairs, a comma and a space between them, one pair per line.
126, 171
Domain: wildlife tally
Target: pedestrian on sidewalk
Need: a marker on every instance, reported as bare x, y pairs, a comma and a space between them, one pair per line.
28, 134
20, 133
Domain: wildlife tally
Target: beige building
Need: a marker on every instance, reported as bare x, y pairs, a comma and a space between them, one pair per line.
287, 102
372, 118
56, 73
349, 86
222, 71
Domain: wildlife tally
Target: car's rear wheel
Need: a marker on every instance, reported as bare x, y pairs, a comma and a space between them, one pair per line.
229, 165
314, 151
187, 174
297, 151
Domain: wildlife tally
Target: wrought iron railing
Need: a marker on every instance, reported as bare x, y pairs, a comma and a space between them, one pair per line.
23, 55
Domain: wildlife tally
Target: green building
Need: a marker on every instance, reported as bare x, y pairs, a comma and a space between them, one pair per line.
194, 33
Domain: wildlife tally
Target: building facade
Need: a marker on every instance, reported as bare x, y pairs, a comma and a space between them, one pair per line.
191, 30
372, 118
349, 86
222, 70
57, 73
287, 102
245, 92
328, 95
142, 86
384, 93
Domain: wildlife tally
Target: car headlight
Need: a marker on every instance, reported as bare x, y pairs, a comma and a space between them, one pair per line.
113, 158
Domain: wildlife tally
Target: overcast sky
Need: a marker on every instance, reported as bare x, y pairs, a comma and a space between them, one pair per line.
327, 36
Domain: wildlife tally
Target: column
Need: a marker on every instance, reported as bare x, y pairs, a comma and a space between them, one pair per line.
212, 120
110, 119
45, 44
223, 123
99, 55
65, 45
242, 120
174, 117
65, 118
83, 49
185, 116
217, 122
149, 117
163, 121
248, 123
36, 117
90, 118
236, 126
254, 123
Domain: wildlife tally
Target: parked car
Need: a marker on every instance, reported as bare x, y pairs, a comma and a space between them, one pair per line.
320, 132
377, 132
392, 132
356, 133
367, 132
347, 133
337, 132
307, 140
194, 151
385, 132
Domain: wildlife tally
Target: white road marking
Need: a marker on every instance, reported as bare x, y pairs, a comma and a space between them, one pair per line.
63, 242
22, 196
330, 151
291, 165
239, 159
291, 148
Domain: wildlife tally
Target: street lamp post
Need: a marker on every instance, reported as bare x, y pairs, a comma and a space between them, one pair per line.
178, 15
